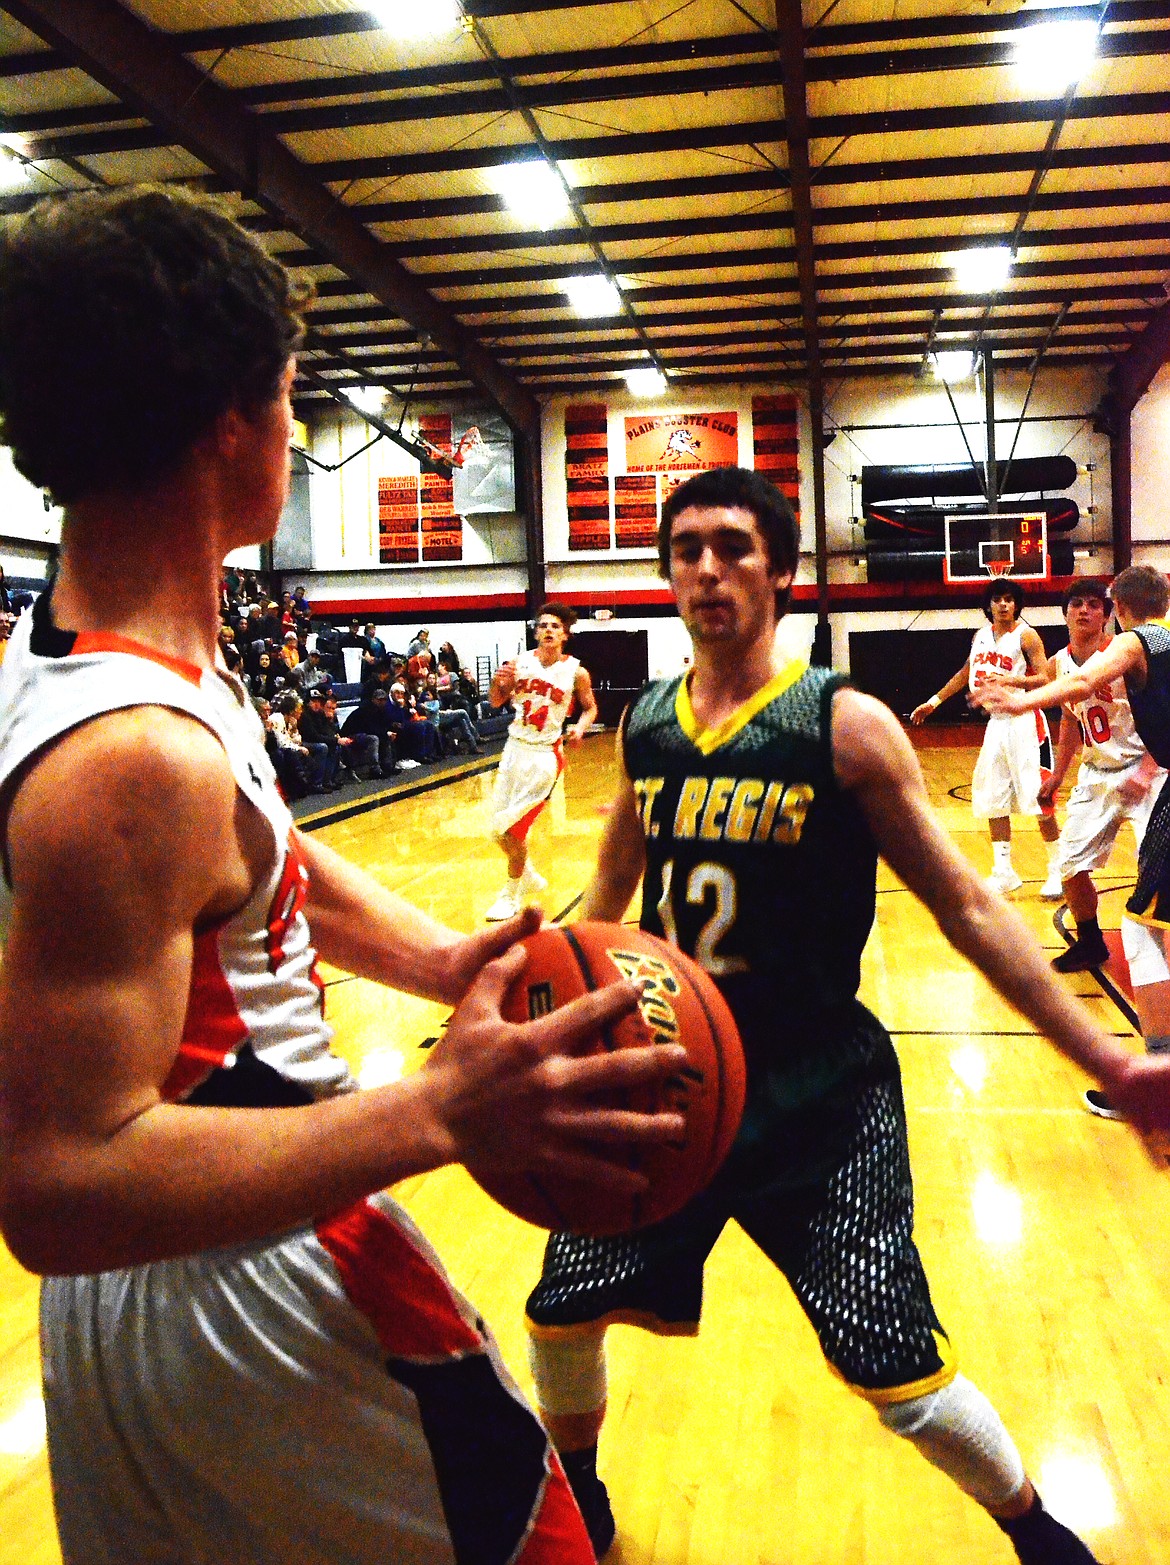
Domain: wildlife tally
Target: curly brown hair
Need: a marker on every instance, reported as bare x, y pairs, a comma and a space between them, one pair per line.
130, 320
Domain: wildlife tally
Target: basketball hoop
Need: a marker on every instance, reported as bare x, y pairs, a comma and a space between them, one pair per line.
997, 567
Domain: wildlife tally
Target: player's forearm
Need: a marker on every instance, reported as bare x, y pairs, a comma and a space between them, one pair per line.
997, 941
175, 1180
358, 925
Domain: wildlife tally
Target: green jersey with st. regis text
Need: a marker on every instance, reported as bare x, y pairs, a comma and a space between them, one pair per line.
763, 869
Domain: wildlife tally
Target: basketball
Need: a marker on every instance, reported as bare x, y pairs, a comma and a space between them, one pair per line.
679, 1004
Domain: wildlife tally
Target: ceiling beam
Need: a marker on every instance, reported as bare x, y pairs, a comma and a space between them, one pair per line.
140, 66
1130, 377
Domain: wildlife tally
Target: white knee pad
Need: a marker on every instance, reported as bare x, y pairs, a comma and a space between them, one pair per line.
958, 1431
1145, 953
569, 1371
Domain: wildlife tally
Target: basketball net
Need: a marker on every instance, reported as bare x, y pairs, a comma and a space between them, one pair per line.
997, 567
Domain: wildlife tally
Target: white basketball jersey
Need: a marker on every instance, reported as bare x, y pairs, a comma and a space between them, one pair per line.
989, 657
254, 980
1105, 720
542, 697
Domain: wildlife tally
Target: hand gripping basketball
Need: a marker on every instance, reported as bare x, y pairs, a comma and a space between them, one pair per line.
679, 1004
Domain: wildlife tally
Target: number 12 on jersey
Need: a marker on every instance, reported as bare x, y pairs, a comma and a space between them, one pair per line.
707, 882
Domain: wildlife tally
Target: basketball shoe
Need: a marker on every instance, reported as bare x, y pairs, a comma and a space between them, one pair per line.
1039, 1539
1053, 888
1081, 956
1097, 1103
531, 882
1004, 880
506, 905
591, 1496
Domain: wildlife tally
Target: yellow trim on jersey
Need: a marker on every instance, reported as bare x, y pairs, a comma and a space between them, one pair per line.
1147, 919
645, 1320
708, 740
890, 1396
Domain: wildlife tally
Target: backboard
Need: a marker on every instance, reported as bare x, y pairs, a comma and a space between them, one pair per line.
1013, 543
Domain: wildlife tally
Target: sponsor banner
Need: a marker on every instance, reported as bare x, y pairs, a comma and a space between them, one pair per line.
681, 442
398, 519
442, 529
587, 475
776, 443
635, 510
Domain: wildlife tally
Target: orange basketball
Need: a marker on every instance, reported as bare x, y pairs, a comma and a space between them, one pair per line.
679, 1004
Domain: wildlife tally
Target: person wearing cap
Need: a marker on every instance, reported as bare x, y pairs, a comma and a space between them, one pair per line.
371, 719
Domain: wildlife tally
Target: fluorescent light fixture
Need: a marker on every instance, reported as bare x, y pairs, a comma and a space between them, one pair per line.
1050, 56
408, 19
982, 270
532, 192
366, 399
13, 171
593, 295
953, 365
646, 383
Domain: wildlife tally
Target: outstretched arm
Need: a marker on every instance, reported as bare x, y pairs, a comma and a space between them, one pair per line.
620, 859
1125, 654
957, 681
875, 762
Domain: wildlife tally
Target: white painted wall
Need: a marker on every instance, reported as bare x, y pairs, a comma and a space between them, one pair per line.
1150, 453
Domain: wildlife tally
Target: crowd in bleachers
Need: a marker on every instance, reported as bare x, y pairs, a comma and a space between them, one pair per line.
405, 709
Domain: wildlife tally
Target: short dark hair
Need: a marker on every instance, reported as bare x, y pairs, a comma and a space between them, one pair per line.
749, 491
1086, 587
1143, 591
130, 320
996, 587
561, 611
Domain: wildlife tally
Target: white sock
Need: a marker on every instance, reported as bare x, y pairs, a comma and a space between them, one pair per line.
958, 1431
1002, 854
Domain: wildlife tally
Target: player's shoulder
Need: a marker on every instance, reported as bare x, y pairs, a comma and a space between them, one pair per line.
129, 778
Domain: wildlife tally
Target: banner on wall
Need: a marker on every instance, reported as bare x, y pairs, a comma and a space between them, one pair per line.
681, 442
442, 528
587, 474
776, 443
398, 518
635, 510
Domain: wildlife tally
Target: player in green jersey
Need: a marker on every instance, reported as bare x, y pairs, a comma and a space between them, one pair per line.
757, 796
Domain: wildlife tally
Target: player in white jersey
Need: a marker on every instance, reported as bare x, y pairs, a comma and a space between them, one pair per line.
1015, 753
249, 1355
1118, 779
541, 685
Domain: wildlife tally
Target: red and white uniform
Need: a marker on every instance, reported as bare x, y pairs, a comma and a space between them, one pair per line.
1112, 754
1016, 751
533, 757
319, 1397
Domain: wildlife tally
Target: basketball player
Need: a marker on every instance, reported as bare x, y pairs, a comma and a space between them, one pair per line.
1117, 781
1141, 657
756, 798
541, 685
248, 1355
1014, 756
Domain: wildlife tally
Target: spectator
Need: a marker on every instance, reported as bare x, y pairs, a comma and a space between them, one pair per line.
314, 672
380, 676
454, 723
321, 738
375, 649
421, 643
359, 752
231, 653
268, 623
298, 770
269, 678
290, 652
371, 718
353, 636
416, 738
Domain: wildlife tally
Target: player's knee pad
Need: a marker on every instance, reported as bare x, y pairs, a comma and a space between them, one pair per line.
568, 1368
1144, 953
958, 1431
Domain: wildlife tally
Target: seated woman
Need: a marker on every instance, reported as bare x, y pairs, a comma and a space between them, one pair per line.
453, 722
415, 737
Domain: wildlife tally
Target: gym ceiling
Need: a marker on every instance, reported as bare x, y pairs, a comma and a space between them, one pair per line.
779, 195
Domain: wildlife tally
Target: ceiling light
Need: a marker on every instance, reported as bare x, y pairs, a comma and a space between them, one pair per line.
13, 171
982, 270
953, 365
1050, 56
416, 18
532, 191
366, 399
646, 383
593, 295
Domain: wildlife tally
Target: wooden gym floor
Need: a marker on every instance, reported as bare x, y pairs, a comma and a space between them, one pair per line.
1044, 1232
